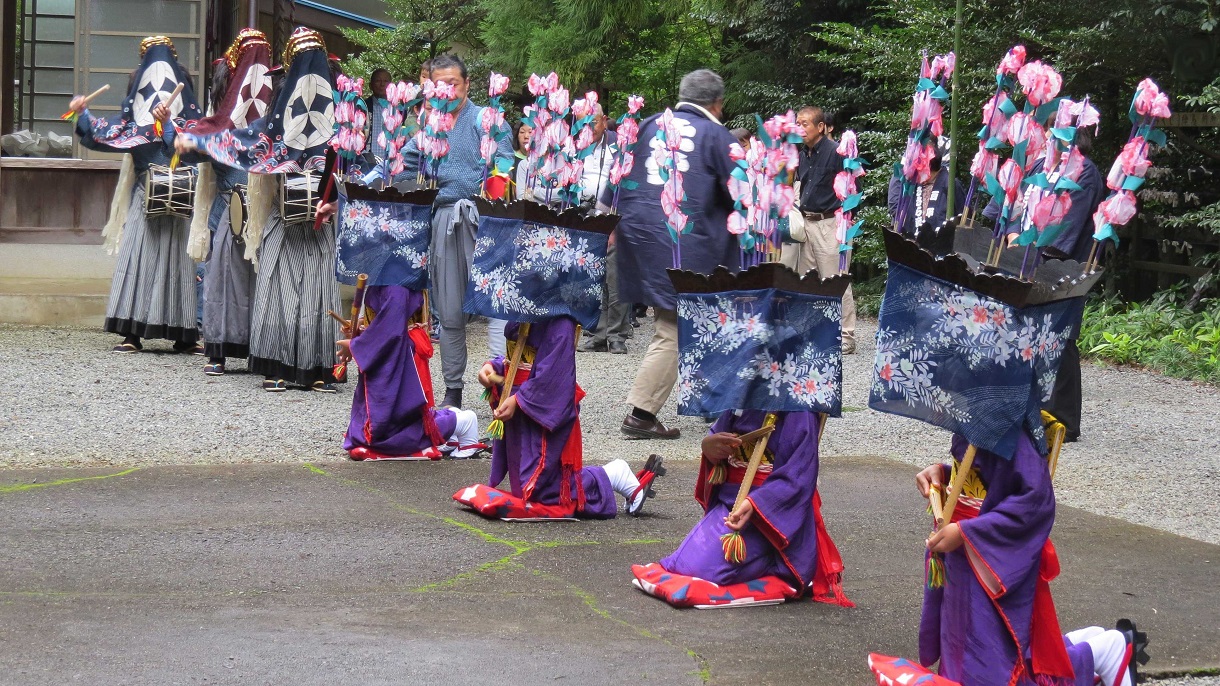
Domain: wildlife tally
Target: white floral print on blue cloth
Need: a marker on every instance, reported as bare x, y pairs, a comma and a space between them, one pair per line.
966, 362
766, 349
386, 240
529, 272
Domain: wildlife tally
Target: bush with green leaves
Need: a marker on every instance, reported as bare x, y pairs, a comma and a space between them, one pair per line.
1161, 335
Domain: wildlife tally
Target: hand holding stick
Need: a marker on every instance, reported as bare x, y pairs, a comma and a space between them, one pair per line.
496, 428
79, 104
166, 103
959, 480
733, 544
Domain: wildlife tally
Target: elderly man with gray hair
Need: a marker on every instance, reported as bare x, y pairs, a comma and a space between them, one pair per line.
644, 247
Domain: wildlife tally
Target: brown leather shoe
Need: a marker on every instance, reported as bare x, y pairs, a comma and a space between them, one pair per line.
641, 428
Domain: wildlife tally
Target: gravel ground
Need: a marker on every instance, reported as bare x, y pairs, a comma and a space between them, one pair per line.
73, 403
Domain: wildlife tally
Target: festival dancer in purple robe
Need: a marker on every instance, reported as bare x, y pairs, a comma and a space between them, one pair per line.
541, 451
988, 616
392, 412
787, 548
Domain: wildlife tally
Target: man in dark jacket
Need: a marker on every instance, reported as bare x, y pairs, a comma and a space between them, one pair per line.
644, 246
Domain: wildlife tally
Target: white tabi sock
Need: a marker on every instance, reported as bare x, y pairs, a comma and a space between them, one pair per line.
465, 432
622, 479
1109, 647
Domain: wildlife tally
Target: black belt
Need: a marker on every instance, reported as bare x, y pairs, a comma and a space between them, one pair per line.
816, 216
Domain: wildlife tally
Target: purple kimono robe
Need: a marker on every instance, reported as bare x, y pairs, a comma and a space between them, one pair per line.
979, 624
547, 420
390, 410
781, 537
644, 248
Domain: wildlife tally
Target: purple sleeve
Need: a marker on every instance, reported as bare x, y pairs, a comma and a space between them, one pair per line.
548, 396
784, 502
1004, 543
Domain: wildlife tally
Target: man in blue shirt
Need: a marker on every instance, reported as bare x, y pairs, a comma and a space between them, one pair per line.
455, 220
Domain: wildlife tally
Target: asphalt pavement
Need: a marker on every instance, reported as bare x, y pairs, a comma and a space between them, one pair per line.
334, 573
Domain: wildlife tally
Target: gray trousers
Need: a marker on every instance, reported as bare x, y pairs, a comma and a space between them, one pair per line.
452, 251
615, 321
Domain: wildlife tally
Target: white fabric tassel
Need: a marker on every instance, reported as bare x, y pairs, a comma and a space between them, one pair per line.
261, 190
120, 205
205, 193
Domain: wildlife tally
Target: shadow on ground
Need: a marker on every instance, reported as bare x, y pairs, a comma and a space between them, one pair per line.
350, 573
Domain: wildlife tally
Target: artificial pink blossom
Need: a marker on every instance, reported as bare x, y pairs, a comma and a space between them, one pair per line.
558, 101
634, 103
993, 115
1009, 177
1040, 82
1160, 107
985, 162
738, 223
496, 85
847, 145
844, 185
1012, 62
535, 85
1119, 208
1051, 209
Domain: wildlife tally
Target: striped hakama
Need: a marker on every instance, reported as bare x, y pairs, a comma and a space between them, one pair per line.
291, 336
229, 283
152, 293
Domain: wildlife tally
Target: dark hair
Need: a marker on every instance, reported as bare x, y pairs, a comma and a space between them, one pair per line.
380, 70
742, 135
220, 83
426, 68
517, 134
828, 118
448, 61
819, 116
1084, 140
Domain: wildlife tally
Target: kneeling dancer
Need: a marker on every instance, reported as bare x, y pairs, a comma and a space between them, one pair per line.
541, 451
393, 414
762, 549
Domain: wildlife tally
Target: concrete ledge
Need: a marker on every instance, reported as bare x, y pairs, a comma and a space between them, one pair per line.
46, 261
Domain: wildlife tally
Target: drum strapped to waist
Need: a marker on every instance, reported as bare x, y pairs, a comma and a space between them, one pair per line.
238, 210
299, 196
169, 191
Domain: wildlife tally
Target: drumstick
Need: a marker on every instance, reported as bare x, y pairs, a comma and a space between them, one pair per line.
756, 434
85, 101
733, 544
336, 317
157, 127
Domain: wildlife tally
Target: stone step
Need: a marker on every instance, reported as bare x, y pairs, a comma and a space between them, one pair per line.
54, 302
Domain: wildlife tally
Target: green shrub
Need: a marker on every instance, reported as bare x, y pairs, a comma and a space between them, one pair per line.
1160, 334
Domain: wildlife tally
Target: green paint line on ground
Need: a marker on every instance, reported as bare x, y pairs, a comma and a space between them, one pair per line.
704, 671
502, 563
17, 488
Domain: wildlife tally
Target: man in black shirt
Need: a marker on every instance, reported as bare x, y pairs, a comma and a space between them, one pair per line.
819, 164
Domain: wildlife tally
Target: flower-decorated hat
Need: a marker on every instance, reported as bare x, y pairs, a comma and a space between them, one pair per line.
762, 339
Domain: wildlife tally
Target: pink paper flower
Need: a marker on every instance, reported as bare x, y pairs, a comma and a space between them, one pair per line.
535, 85
1119, 208
921, 109
558, 101
736, 152
1160, 107
1009, 177
1040, 82
844, 185
634, 103
847, 145
1072, 165
985, 162
1012, 62
497, 84
993, 116
1051, 209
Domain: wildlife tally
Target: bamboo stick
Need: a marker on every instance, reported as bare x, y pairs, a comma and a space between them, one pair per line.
955, 489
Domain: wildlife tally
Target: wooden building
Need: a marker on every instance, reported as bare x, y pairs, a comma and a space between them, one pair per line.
53, 49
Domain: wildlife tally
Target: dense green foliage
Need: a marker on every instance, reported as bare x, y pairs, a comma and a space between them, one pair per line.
859, 59
1161, 335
